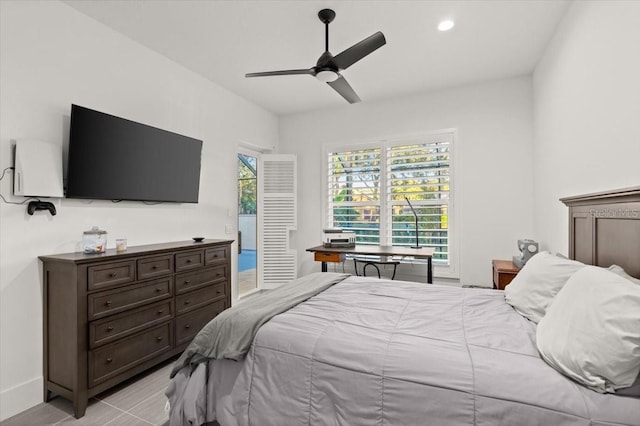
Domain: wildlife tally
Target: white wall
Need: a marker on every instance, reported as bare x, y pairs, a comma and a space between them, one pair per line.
492, 159
586, 111
52, 56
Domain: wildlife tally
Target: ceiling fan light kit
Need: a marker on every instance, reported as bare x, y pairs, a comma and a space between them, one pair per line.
328, 67
327, 76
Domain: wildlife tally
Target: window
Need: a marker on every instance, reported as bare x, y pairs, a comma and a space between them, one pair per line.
367, 185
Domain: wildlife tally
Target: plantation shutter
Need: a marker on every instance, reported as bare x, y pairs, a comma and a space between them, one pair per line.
354, 192
277, 219
420, 171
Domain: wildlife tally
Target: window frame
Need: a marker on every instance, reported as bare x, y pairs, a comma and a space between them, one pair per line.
442, 270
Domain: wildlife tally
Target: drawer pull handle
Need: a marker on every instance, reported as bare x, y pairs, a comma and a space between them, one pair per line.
218, 274
218, 292
158, 290
186, 282
108, 303
188, 260
160, 312
154, 267
113, 274
187, 326
158, 339
109, 359
109, 328
186, 302
215, 255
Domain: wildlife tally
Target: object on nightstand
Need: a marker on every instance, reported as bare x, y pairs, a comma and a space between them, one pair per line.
94, 241
528, 248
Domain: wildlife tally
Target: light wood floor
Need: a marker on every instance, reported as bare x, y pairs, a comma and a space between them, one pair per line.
137, 402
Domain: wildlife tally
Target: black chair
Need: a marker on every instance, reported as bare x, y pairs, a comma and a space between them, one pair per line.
369, 262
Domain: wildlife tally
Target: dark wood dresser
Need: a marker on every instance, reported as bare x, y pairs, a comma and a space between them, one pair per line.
110, 316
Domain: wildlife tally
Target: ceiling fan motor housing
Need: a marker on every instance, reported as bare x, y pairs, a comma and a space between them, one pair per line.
326, 63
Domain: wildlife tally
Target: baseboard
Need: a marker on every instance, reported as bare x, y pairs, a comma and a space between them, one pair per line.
21, 397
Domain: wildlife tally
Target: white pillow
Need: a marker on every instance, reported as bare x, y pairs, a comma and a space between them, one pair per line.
535, 286
618, 270
591, 331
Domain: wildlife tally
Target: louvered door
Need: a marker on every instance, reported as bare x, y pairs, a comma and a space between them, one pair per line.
277, 220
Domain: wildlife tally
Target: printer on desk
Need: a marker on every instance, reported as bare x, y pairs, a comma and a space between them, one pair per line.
337, 237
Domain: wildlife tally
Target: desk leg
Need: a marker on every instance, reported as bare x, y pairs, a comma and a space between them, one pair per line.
429, 271
324, 267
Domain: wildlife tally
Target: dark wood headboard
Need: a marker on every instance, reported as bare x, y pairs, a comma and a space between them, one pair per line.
604, 228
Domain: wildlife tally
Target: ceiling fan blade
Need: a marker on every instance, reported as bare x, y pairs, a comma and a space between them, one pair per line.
284, 72
344, 89
359, 50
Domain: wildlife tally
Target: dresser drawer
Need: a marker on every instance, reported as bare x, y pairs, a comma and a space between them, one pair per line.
152, 267
195, 280
115, 301
117, 357
198, 298
110, 329
110, 274
188, 325
189, 260
216, 255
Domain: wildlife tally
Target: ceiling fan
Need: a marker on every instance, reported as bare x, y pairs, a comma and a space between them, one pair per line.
328, 67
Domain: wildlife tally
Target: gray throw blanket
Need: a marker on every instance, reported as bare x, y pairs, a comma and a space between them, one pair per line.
230, 334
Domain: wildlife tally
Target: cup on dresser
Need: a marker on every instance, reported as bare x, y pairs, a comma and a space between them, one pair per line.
121, 245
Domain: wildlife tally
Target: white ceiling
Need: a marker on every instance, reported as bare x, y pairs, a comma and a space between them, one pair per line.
223, 40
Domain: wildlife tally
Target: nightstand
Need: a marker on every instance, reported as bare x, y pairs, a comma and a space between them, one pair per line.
503, 272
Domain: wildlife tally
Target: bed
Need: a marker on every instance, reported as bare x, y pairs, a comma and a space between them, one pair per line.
365, 351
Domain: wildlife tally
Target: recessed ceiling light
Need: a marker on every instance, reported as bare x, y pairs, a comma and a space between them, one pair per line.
446, 25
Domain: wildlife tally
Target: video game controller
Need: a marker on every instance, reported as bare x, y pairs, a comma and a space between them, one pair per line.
41, 205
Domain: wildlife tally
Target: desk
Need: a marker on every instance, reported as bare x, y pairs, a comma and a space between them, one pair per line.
421, 253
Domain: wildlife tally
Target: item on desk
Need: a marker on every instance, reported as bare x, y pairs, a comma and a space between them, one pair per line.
94, 241
415, 215
527, 248
337, 237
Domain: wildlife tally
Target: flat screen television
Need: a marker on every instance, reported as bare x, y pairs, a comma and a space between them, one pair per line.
111, 158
